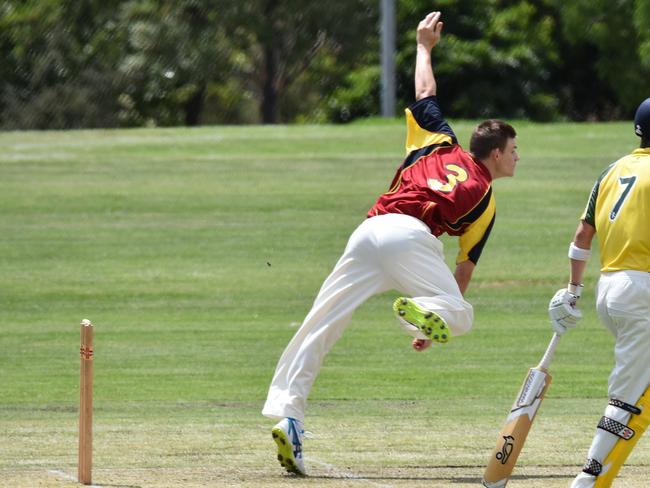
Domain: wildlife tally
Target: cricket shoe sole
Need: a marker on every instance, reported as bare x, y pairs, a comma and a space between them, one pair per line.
432, 325
289, 441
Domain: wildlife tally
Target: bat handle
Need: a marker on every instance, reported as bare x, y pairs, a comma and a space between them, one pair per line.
550, 350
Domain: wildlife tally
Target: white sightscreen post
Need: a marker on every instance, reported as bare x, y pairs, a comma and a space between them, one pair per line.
388, 58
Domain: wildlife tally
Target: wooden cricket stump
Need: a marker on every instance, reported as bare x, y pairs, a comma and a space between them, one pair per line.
84, 471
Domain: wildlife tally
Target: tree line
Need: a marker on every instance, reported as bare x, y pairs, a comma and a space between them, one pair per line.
124, 63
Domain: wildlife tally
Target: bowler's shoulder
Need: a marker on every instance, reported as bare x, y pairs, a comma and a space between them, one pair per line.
428, 115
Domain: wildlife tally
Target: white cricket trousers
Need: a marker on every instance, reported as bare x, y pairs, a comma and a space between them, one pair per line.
623, 303
385, 252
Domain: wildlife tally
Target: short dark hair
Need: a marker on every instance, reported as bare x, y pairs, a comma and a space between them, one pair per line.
488, 135
645, 142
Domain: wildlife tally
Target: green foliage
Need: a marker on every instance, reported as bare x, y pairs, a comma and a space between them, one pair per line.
614, 38
170, 59
494, 60
94, 63
283, 40
357, 97
59, 59
641, 22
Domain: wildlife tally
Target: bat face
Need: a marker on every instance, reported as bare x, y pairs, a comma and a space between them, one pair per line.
513, 435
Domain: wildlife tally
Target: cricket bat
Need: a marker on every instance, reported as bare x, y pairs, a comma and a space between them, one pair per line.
520, 419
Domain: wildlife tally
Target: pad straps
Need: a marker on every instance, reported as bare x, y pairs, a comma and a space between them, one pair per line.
592, 467
614, 427
624, 406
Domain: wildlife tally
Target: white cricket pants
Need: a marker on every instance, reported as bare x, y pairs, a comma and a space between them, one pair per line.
623, 303
385, 252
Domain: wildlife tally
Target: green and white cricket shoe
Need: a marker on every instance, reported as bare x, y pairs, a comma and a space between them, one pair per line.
429, 323
288, 434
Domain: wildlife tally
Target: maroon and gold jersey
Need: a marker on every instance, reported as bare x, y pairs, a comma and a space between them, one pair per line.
440, 183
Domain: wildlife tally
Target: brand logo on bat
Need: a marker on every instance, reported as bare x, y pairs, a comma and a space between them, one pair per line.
506, 449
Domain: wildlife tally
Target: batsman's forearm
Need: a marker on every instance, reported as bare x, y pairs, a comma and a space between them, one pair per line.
577, 271
582, 239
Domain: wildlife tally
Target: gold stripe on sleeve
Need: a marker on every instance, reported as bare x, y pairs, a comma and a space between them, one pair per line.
475, 232
417, 137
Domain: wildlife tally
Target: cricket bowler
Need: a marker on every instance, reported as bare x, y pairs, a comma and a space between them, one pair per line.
438, 188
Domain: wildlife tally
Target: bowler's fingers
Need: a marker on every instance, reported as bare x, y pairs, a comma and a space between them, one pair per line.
427, 22
431, 20
420, 344
437, 30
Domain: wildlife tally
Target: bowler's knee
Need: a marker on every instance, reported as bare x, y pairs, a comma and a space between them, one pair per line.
460, 321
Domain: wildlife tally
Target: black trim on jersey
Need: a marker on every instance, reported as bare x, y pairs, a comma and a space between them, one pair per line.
475, 253
590, 212
473, 214
418, 153
428, 115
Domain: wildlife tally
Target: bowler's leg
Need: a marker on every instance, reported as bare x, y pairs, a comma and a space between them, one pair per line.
417, 268
355, 277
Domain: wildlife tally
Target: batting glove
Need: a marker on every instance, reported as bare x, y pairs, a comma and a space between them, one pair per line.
563, 311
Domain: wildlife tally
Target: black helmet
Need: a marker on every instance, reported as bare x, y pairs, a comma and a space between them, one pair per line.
642, 120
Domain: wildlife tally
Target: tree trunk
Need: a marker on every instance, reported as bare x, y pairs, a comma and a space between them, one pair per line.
269, 107
194, 106
269, 87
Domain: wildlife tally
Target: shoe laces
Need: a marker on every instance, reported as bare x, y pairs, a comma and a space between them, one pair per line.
298, 434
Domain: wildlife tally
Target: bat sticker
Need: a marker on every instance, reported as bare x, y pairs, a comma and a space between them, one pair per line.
506, 449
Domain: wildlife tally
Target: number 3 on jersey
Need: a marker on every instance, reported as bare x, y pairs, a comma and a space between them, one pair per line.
456, 175
627, 182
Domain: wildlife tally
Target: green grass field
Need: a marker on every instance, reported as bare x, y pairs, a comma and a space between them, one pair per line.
197, 252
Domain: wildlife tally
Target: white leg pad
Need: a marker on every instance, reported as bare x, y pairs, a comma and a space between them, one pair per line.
584, 480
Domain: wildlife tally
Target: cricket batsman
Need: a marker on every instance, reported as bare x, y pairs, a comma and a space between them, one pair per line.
438, 188
617, 212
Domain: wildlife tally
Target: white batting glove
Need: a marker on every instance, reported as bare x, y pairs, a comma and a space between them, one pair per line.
563, 311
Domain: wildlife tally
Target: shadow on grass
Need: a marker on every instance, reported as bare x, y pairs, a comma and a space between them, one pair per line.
104, 485
450, 479
446, 477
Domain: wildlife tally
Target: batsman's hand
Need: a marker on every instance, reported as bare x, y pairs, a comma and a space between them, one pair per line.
563, 311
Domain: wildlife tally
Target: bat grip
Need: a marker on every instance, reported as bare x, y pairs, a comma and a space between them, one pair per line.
550, 351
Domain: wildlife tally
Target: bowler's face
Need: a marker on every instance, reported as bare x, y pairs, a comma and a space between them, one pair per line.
508, 159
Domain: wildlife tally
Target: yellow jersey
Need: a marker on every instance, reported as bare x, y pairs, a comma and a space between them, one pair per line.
619, 209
